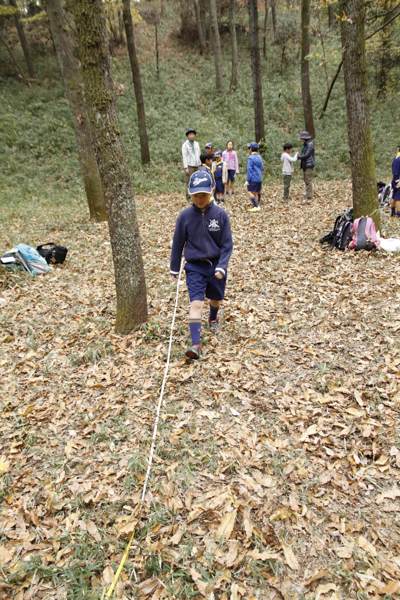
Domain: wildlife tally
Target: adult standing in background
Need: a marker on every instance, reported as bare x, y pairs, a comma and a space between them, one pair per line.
396, 185
307, 163
191, 157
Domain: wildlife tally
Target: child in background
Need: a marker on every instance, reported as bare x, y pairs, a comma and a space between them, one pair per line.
209, 147
287, 169
255, 168
206, 159
229, 156
204, 231
220, 173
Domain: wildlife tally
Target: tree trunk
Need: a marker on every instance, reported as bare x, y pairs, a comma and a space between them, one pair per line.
232, 26
210, 35
16, 63
385, 52
273, 13
203, 18
305, 68
24, 41
265, 30
74, 92
157, 53
217, 46
203, 45
365, 196
331, 14
137, 84
102, 111
256, 71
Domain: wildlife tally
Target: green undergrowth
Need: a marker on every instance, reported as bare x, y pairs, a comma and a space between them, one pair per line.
38, 152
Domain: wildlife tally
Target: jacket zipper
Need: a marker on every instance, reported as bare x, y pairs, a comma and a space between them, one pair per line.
205, 236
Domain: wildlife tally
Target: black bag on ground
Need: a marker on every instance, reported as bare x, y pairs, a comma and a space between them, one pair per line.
53, 253
339, 237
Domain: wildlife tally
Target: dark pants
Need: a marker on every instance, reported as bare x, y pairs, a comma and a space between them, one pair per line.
286, 186
187, 177
308, 175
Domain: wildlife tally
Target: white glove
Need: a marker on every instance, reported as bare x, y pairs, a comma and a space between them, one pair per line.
246, 184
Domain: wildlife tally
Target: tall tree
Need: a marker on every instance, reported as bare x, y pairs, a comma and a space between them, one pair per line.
256, 71
24, 41
216, 46
203, 45
331, 13
16, 63
265, 29
74, 92
385, 51
203, 17
273, 14
305, 68
137, 83
120, 203
365, 196
232, 27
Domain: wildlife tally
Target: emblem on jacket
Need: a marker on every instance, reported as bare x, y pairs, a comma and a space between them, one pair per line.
213, 225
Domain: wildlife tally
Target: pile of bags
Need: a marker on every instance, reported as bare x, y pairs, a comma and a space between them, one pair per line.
31, 260
358, 235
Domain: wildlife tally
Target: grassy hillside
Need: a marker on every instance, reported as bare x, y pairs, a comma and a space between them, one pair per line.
38, 154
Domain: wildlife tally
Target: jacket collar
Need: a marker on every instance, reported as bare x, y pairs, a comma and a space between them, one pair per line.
197, 209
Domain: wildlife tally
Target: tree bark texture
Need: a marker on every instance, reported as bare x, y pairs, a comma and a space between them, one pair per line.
385, 52
74, 93
232, 27
203, 45
216, 46
137, 84
273, 14
265, 29
365, 195
305, 68
24, 41
203, 17
331, 14
256, 71
122, 220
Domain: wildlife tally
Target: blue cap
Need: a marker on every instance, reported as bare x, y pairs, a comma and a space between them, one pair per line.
218, 153
253, 146
200, 183
209, 145
190, 130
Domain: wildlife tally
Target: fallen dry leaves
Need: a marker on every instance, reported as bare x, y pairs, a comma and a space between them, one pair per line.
277, 460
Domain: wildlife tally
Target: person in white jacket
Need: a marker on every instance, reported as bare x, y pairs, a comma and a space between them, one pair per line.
287, 169
191, 157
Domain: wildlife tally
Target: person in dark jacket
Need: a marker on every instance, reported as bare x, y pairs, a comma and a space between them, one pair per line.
307, 162
204, 231
395, 204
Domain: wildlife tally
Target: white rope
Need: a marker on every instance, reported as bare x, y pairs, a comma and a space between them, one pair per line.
153, 441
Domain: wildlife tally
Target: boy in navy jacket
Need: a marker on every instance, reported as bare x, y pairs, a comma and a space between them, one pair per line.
204, 231
255, 168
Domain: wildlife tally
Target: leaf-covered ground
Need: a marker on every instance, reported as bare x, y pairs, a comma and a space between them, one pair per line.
278, 455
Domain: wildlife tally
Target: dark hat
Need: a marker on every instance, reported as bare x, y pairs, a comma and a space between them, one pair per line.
253, 146
200, 183
305, 136
190, 130
218, 153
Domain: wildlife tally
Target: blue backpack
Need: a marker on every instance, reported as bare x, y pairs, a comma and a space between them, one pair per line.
26, 257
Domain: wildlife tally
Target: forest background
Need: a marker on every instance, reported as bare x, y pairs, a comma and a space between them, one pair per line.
38, 149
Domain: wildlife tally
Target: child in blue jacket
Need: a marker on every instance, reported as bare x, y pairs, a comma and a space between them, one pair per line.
255, 168
204, 232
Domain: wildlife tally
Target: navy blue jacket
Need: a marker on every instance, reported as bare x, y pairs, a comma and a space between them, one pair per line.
306, 155
204, 235
396, 176
255, 168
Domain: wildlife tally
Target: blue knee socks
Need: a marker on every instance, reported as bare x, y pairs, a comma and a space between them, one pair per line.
393, 211
195, 330
254, 201
213, 313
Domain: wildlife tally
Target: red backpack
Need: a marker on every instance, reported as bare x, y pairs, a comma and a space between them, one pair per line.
364, 234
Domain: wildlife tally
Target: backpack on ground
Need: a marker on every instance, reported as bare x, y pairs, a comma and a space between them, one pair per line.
339, 237
25, 257
364, 235
53, 253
